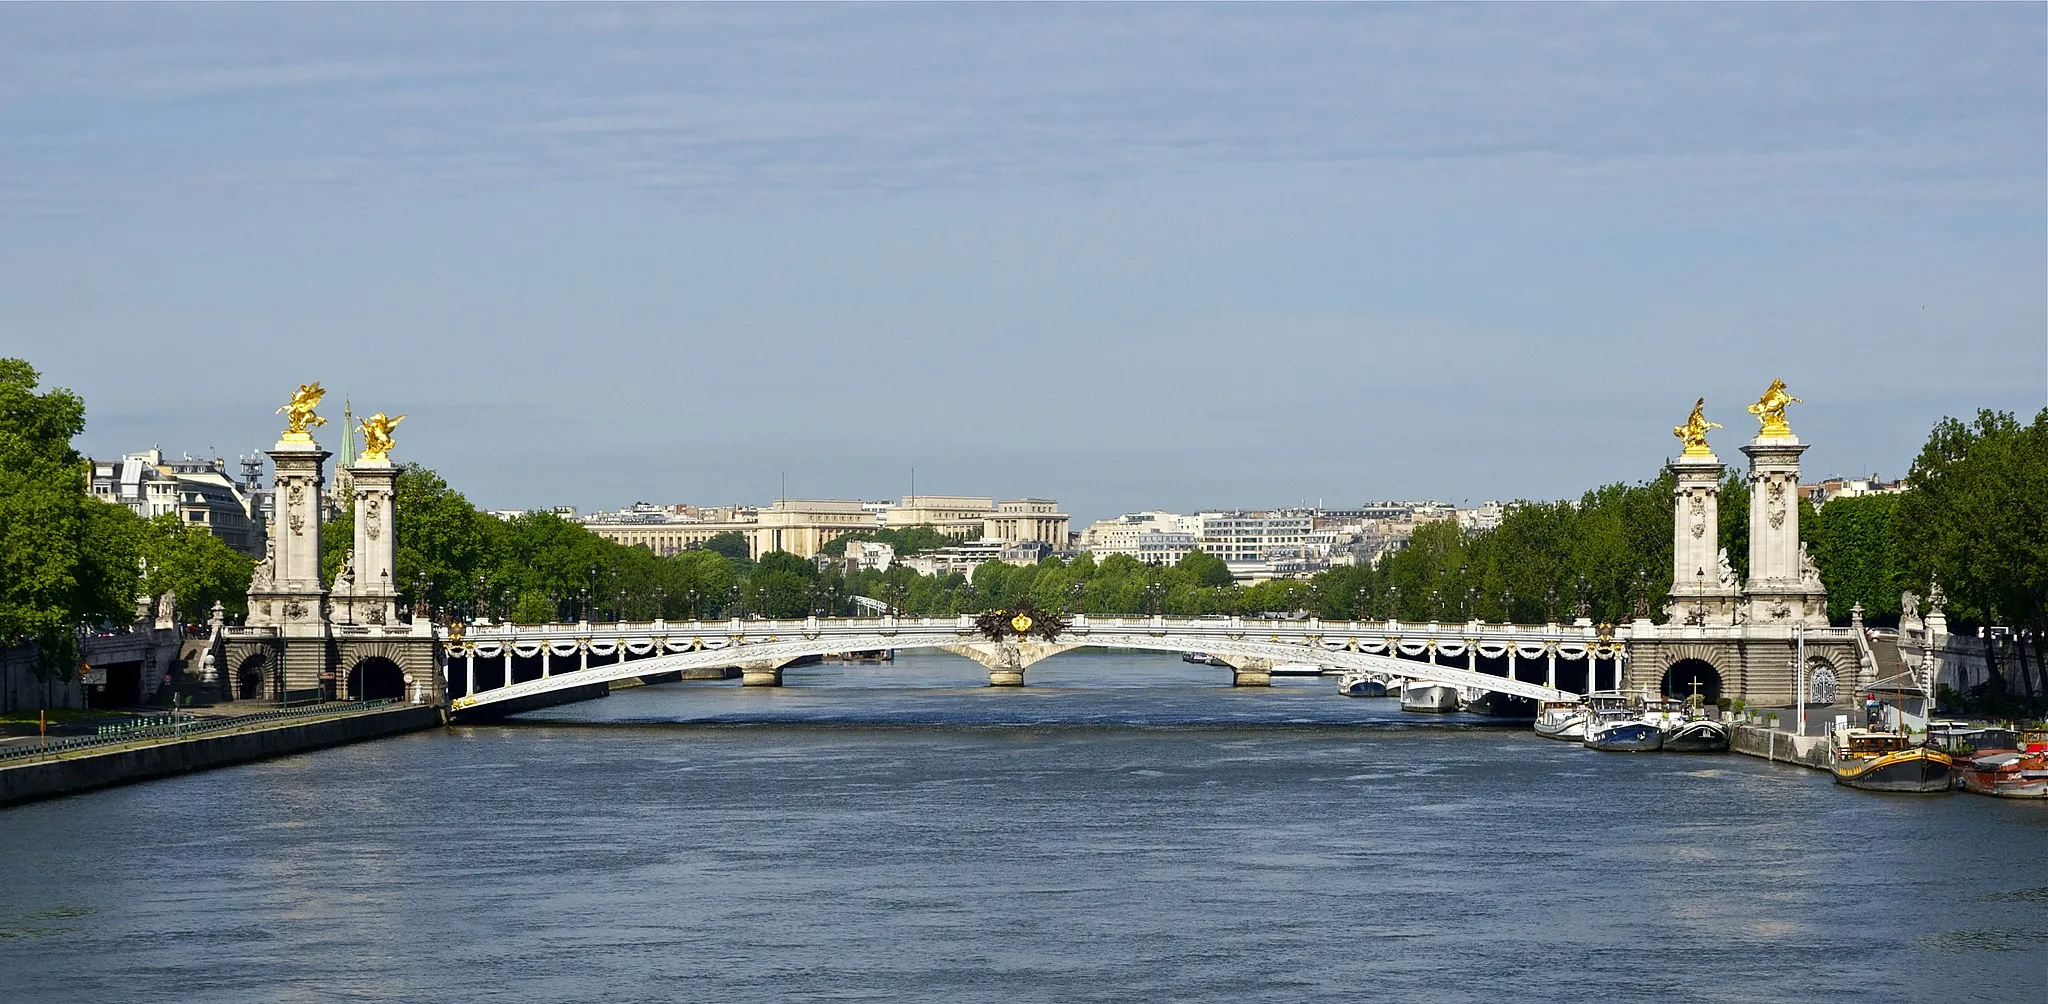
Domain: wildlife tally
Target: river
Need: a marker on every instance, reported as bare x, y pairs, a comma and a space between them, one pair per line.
1129, 827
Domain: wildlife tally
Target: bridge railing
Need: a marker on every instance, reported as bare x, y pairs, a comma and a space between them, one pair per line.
1079, 625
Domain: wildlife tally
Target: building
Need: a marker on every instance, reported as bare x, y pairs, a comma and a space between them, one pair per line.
199, 492
1162, 547
1249, 536
1120, 535
1019, 520
1485, 517
1848, 488
804, 526
957, 516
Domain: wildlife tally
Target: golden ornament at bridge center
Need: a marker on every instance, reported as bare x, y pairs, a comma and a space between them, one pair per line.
299, 415
1770, 411
1694, 432
377, 436
1021, 623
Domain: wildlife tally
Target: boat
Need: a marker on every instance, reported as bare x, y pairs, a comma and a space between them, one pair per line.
1664, 713
2005, 774
1564, 720
1693, 732
1621, 730
1963, 740
1886, 761
1296, 669
1432, 698
1494, 704
1357, 684
1697, 735
1198, 658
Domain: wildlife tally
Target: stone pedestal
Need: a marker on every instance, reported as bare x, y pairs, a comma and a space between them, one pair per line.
761, 674
1784, 587
286, 593
366, 590
1703, 588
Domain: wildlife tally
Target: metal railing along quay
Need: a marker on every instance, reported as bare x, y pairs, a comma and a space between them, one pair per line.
180, 727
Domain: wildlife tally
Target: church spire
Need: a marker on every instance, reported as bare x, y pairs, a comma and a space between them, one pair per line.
348, 433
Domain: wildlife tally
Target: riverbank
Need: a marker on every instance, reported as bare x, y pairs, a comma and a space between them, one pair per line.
145, 759
1779, 746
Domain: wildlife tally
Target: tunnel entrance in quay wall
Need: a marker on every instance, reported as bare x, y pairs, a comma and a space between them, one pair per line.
1680, 680
376, 679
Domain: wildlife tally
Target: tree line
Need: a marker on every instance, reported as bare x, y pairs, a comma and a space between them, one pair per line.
72, 563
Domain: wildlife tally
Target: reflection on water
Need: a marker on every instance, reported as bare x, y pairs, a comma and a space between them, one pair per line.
1127, 827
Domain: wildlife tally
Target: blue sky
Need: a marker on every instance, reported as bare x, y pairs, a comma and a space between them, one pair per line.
1124, 256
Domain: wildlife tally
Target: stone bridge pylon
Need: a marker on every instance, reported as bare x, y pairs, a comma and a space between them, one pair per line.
306, 639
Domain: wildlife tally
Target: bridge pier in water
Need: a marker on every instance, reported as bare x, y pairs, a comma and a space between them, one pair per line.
1249, 672
761, 674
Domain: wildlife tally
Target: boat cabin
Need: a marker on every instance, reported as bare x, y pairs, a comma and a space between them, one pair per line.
1972, 739
1863, 744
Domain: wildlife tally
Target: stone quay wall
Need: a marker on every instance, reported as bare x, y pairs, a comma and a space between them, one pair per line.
83, 772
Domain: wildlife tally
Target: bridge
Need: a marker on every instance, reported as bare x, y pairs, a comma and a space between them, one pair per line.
500, 669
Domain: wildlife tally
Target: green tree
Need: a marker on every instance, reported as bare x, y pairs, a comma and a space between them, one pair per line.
1205, 569
1857, 549
732, 544
197, 567
1977, 518
66, 558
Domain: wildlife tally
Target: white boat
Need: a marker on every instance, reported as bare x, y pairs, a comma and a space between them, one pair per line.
1296, 669
1564, 720
1434, 698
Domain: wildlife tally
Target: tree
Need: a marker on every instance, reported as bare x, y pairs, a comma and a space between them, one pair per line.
66, 558
195, 566
732, 544
1857, 549
1205, 569
1977, 518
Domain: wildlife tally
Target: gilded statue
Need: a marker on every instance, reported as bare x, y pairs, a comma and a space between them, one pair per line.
1770, 410
1694, 432
299, 412
377, 436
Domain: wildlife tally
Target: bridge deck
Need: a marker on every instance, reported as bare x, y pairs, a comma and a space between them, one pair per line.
637, 649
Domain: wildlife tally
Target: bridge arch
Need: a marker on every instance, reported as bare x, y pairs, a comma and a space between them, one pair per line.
250, 675
376, 678
1683, 676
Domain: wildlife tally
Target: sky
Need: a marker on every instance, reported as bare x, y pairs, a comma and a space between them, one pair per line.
1126, 257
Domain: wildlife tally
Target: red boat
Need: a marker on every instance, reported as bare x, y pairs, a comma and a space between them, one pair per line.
2020, 771
2010, 774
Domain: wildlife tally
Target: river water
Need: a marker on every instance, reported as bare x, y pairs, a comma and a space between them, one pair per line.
1127, 828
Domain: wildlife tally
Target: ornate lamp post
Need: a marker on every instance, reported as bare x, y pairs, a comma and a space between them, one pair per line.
1360, 602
